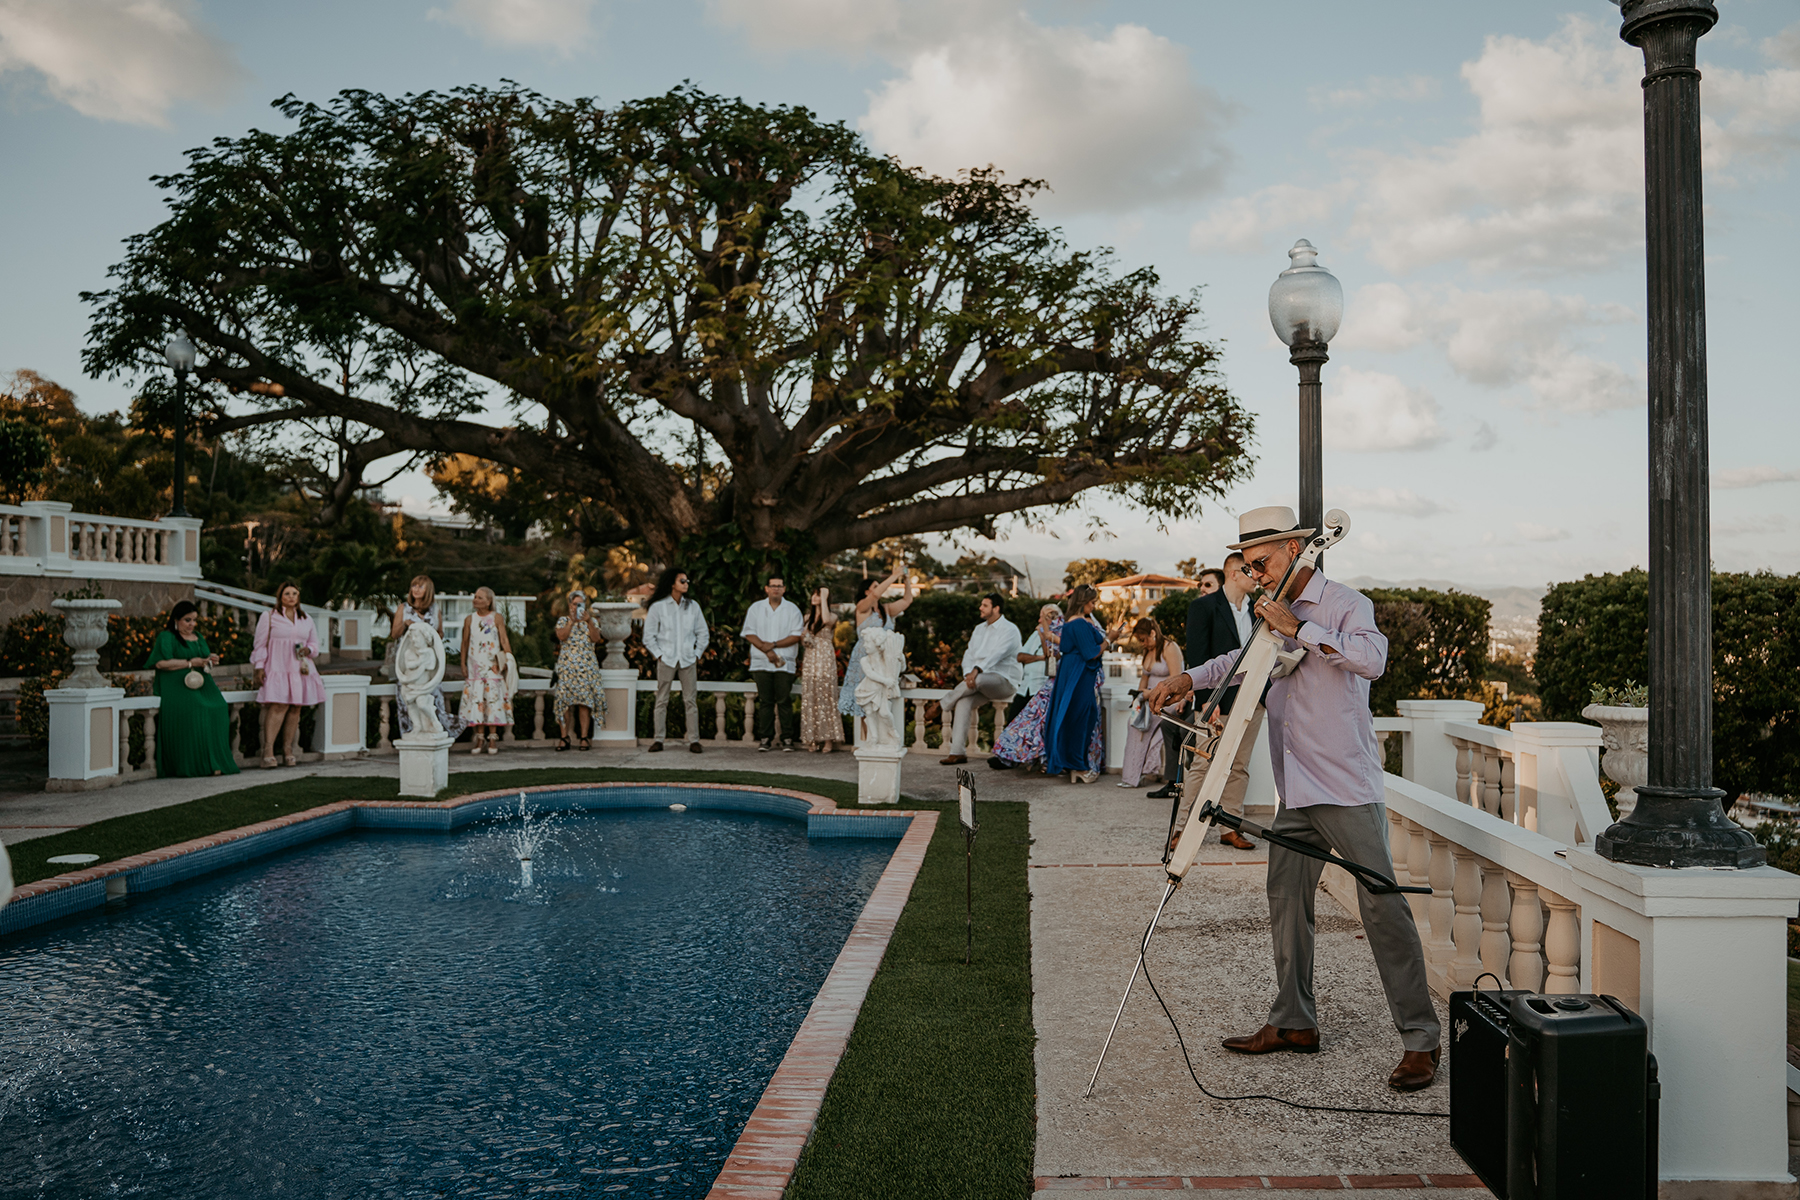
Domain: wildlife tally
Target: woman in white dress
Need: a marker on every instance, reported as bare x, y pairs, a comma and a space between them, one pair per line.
580, 699
487, 700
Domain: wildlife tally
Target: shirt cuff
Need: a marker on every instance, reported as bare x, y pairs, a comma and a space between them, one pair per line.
1312, 634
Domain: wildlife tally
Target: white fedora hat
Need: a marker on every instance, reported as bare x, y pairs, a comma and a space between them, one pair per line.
1275, 523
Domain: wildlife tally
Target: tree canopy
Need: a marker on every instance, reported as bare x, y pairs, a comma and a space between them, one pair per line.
870, 352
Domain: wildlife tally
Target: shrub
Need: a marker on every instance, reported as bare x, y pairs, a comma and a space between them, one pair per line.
32, 644
1594, 632
1437, 646
1170, 614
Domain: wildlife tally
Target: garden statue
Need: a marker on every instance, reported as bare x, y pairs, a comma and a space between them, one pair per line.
883, 662
418, 670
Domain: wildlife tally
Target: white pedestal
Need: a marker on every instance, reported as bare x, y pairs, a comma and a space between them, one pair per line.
340, 727
878, 773
621, 707
84, 737
424, 764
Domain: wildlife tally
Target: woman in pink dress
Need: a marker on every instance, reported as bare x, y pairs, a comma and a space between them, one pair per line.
286, 679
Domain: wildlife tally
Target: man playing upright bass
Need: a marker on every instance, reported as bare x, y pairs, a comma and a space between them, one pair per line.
1328, 771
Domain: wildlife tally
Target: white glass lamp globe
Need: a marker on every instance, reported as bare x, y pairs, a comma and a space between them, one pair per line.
180, 352
1306, 302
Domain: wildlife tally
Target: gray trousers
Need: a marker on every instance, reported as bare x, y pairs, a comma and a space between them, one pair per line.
962, 701
690, 692
1359, 833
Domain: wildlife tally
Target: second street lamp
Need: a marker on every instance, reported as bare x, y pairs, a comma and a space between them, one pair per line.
1306, 303
181, 354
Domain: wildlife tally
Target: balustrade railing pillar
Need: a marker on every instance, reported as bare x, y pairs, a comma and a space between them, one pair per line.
1509, 789
1562, 946
1440, 951
1464, 789
152, 720
1525, 965
719, 735
1496, 912
1466, 928
1490, 780
1418, 861
384, 724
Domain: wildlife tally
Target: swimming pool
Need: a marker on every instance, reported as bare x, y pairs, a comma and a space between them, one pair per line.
393, 1014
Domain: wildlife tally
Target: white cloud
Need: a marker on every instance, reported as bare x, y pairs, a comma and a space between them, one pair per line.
1505, 338
1372, 411
1761, 121
1112, 121
1409, 89
556, 24
1404, 501
1485, 438
1749, 477
1238, 225
118, 60
1532, 532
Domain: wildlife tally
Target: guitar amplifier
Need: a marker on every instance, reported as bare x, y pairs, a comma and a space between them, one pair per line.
1553, 1097
1480, 1026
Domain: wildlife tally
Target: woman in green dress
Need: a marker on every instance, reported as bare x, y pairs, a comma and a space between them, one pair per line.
193, 727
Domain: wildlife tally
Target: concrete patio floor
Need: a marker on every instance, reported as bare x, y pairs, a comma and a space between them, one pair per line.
1095, 881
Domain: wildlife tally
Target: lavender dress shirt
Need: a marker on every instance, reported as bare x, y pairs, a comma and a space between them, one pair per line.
1321, 735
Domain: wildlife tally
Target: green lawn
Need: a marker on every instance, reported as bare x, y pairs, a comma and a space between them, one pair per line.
935, 1096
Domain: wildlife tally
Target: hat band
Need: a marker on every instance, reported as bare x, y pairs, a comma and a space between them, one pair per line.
1260, 533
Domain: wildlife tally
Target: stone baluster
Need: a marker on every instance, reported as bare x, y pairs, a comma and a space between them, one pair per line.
152, 719
1399, 847
749, 738
1418, 862
719, 718
1490, 780
1462, 770
1496, 907
1509, 789
919, 744
1562, 946
1000, 721
1465, 929
384, 724
125, 744
1525, 965
511, 732
947, 723
1440, 952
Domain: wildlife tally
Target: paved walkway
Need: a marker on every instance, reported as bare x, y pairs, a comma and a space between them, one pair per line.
1095, 881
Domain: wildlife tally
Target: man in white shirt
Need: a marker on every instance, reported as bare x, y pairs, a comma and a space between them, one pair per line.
773, 629
991, 671
675, 634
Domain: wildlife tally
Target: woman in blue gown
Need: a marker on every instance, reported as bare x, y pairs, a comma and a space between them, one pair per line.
1074, 702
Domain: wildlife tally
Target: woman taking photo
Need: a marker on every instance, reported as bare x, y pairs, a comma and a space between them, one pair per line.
1075, 741
286, 678
579, 696
193, 725
421, 606
487, 698
821, 725
870, 608
1145, 749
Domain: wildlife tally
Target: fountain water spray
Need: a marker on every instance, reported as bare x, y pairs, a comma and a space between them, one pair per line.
533, 832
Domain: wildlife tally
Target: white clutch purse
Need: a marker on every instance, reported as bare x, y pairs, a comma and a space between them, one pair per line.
194, 679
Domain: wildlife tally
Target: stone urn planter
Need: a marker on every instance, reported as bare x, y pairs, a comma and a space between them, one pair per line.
84, 629
1625, 740
615, 627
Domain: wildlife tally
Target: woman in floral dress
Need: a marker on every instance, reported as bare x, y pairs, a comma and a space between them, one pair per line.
821, 725
487, 700
1023, 741
580, 700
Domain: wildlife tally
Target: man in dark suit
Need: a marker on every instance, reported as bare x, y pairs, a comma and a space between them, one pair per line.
1219, 623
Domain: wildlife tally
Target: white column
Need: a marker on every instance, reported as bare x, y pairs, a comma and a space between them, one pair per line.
84, 737
1430, 755
340, 727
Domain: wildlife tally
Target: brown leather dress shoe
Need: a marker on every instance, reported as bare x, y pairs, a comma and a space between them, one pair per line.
1269, 1039
952, 759
1417, 1070
1236, 840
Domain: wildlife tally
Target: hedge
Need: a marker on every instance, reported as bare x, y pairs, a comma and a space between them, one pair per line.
1595, 631
32, 644
1437, 646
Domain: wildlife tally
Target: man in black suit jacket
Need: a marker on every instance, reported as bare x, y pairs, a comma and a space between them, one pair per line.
1219, 623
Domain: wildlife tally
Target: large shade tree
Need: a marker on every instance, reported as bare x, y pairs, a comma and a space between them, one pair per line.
869, 351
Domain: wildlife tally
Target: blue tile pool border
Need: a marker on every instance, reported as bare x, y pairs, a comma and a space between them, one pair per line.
90, 888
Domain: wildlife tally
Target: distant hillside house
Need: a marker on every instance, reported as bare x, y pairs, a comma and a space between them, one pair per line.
1143, 591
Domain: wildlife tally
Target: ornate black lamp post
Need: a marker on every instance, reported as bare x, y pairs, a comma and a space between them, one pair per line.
180, 353
1678, 821
1306, 303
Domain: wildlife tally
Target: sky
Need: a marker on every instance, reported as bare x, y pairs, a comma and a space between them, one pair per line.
1472, 173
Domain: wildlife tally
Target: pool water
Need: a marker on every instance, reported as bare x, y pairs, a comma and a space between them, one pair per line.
394, 1014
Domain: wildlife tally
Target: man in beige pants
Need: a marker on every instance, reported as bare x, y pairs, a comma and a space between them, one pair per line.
1220, 623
